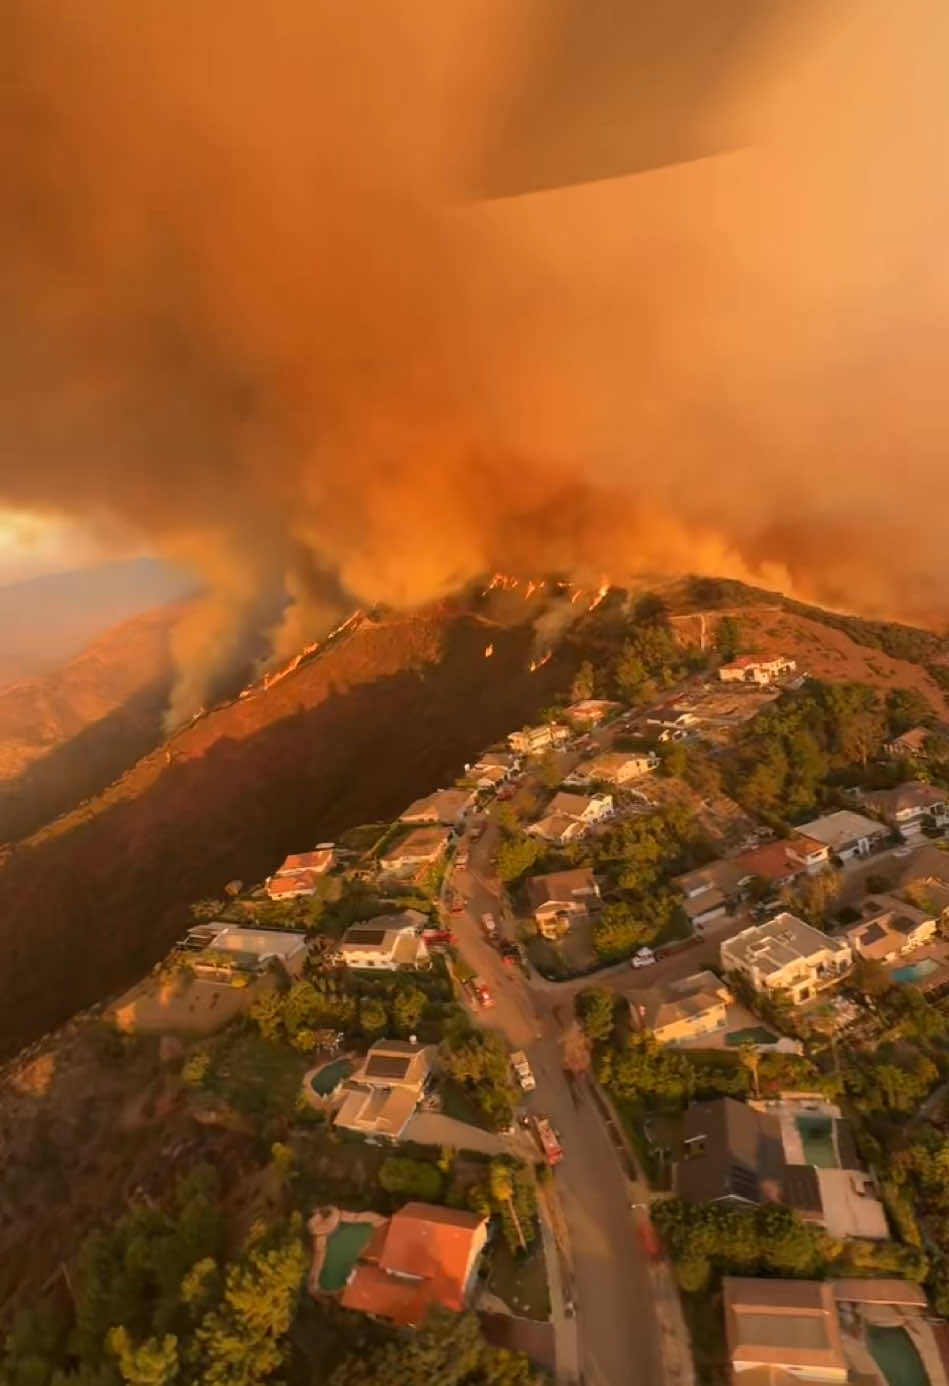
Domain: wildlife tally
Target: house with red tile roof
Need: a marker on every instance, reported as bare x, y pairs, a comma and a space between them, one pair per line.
299, 874
422, 1257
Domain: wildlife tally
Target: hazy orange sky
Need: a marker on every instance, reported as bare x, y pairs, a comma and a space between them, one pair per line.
261, 323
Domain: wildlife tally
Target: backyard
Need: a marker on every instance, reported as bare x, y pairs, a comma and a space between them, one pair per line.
520, 1281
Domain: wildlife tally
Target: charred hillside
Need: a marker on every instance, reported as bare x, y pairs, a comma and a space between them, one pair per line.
395, 708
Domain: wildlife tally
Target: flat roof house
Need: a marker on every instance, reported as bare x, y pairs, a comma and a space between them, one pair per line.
925, 876
230, 950
752, 669
561, 897
422, 1257
447, 806
846, 834
783, 1331
785, 954
683, 1010
909, 806
380, 1097
387, 942
531, 741
419, 848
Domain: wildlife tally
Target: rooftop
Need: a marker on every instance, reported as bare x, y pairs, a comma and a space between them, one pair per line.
555, 826
560, 885
424, 1258
419, 845
785, 1323
319, 860
772, 946
444, 806
911, 797
772, 862
841, 829
736, 1151
258, 943
571, 805
724, 876
293, 883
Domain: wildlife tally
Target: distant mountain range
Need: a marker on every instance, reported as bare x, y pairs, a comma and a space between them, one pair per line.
45, 620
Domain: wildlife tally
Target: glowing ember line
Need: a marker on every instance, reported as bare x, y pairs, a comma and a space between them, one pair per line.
539, 663
488, 651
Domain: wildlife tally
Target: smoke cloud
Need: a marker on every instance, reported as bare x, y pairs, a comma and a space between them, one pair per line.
257, 321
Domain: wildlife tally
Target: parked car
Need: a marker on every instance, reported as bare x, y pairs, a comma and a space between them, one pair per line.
489, 924
523, 1070
643, 957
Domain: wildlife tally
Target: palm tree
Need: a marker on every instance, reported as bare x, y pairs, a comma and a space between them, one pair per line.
502, 1191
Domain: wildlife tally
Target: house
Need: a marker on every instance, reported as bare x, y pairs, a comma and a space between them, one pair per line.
590, 712
299, 874
733, 1154
683, 1010
386, 942
422, 1257
909, 807
787, 955
380, 1097
909, 744
847, 834
224, 953
671, 720
418, 849
587, 809
796, 1151
783, 1331
752, 669
488, 776
817, 1139
533, 741
924, 879
779, 863
557, 827
619, 767
562, 897
889, 928
448, 806
709, 891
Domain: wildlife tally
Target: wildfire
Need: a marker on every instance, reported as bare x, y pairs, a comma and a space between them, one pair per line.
503, 581
601, 592
534, 585
539, 663
488, 651
576, 596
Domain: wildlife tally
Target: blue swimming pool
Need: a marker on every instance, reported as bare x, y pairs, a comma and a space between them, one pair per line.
916, 971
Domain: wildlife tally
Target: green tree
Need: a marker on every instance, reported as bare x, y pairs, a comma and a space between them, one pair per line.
448, 1350
618, 932
728, 638
751, 1061
413, 1178
673, 759
408, 1006
152, 1363
267, 1015
594, 1007
906, 708
692, 1273
517, 855
373, 1016
501, 1184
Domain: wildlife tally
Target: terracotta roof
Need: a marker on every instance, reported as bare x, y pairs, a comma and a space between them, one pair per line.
300, 883
770, 861
424, 1259
319, 860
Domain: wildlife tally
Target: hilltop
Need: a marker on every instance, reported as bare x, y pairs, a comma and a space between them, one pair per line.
394, 706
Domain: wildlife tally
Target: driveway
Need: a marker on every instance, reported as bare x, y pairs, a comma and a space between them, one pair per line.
431, 1128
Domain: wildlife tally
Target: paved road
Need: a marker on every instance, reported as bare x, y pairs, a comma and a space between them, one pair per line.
605, 1268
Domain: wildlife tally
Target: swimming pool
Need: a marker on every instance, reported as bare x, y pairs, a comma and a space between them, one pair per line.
817, 1138
894, 1352
328, 1078
756, 1034
916, 971
344, 1246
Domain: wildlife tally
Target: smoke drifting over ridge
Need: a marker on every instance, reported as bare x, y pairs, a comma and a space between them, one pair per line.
254, 320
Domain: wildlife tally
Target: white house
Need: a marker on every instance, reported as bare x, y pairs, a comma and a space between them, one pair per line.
561, 897
532, 741
387, 942
419, 848
752, 669
619, 767
909, 807
846, 834
298, 875
448, 806
587, 809
787, 955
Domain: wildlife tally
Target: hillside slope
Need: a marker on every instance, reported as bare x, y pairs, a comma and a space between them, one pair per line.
66, 734
394, 709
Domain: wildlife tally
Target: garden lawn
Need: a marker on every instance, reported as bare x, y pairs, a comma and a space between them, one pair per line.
520, 1281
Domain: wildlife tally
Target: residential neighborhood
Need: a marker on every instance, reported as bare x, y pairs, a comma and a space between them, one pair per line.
627, 1011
